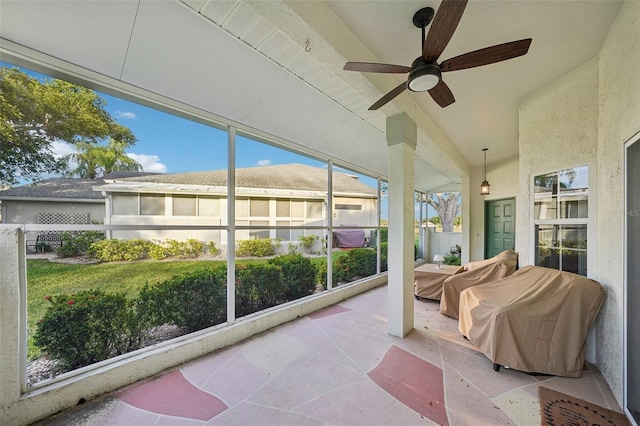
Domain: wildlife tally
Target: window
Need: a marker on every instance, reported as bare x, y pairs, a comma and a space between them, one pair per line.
208, 206
314, 209
152, 204
124, 204
348, 207
560, 218
259, 207
184, 205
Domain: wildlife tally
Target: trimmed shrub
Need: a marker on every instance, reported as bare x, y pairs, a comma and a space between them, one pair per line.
184, 249
194, 301
87, 327
136, 249
258, 287
77, 243
384, 256
298, 275
358, 263
452, 259
120, 250
260, 247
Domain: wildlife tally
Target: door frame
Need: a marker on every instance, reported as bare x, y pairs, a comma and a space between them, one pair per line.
635, 139
485, 245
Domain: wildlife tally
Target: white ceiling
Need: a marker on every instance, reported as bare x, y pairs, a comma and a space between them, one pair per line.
277, 66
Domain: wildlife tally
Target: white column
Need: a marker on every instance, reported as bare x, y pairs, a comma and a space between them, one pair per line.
401, 140
12, 320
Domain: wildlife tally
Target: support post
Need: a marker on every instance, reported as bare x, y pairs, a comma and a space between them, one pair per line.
401, 141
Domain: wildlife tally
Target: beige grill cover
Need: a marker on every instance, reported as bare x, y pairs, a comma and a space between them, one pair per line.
536, 320
453, 286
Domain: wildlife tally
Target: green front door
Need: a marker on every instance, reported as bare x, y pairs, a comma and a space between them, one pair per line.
500, 226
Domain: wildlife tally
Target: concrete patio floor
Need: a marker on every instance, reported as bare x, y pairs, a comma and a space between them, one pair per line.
340, 367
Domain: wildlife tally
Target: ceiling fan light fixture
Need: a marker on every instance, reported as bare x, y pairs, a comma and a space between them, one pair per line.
424, 78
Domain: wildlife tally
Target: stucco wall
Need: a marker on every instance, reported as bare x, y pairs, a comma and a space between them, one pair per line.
585, 117
503, 178
619, 119
22, 212
558, 129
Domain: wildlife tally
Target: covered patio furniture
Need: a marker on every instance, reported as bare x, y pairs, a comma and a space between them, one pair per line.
349, 238
476, 273
428, 279
535, 320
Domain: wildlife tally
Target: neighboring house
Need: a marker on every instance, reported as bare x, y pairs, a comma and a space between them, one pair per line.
55, 201
281, 195
52, 201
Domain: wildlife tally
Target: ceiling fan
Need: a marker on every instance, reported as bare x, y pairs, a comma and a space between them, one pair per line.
425, 74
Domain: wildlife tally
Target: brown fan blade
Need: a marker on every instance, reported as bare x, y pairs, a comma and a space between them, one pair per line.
386, 98
442, 94
374, 67
488, 55
442, 28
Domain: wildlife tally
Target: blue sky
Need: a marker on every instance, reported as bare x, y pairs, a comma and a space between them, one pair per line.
171, 144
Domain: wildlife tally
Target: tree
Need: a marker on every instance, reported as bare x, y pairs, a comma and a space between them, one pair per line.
447, 205
93, 161
34, 114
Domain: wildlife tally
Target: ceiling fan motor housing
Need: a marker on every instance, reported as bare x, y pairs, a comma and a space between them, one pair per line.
423, 76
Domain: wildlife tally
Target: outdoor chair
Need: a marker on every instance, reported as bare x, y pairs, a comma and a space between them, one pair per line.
535, 320
476, 273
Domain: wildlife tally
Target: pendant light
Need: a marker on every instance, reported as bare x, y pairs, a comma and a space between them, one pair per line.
484, 187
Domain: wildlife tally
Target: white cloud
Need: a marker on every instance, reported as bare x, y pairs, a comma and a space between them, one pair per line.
126, 114
60, 149
263, 163
149, 163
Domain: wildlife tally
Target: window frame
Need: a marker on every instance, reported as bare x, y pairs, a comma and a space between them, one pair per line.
589, 221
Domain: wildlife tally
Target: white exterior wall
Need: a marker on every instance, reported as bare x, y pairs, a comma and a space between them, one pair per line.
558, 130
585, 117
503, 178
21, 212
619, 119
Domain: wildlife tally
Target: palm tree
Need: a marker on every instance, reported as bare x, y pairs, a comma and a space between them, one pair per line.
93, 161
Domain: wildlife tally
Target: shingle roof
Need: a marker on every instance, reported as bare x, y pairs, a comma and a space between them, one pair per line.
286, 176
67, 188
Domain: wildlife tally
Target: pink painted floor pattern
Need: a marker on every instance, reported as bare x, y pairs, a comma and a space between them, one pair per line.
339, 366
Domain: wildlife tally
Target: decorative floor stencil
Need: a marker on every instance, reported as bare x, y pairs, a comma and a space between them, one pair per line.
414, 382
174, 395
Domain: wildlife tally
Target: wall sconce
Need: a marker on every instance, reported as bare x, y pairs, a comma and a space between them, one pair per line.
484, 186
438, 258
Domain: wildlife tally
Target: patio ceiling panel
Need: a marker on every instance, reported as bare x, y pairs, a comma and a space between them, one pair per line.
294, 111
357, 142
64, 29
177, 53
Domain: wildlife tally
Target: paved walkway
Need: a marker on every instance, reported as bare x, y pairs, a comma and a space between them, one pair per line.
340, 367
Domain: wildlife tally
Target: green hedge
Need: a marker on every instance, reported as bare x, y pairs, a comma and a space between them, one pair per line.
298, 275
87, 327
260, 247
194, 301
137, 249
91, 326
357, 263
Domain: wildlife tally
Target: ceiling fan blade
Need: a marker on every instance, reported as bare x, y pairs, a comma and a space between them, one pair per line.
374, 67
442, 94
386, 98
442, 28
488, 55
